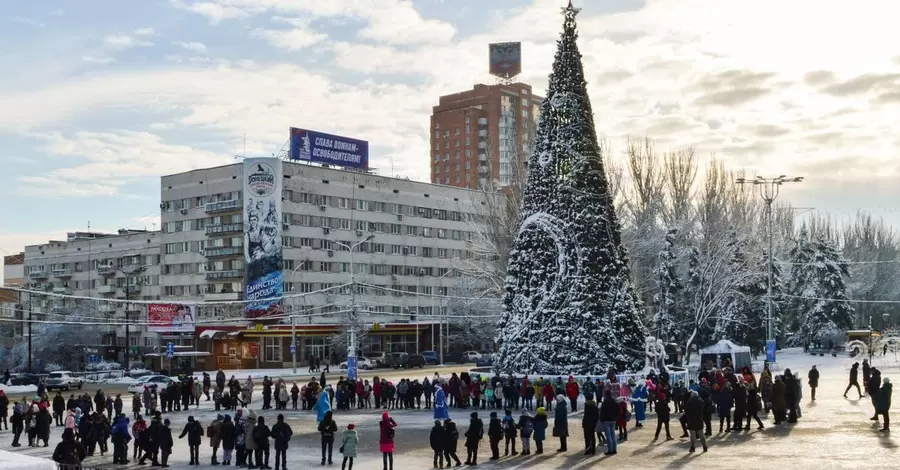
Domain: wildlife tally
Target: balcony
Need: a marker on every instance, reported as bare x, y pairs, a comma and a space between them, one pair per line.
482, 133
223, 206
107, 308
222, 229
61, 290
62, 273
107, 289
223, 251
134, 308
217, 296
38, 275
58, 310
228, 274
106, 270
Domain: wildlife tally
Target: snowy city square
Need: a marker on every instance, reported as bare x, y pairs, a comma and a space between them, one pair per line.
600, 269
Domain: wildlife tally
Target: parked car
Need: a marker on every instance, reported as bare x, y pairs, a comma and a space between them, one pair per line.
24, 379
362, 363
394, 360
62, 380
486, 360
150, 381
471, 356
414, 360
431, 357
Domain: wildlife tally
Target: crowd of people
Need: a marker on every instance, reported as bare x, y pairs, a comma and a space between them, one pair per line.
518, 413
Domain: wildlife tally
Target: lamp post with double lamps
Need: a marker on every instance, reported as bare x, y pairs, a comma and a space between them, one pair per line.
294, 319
351, 346
769, 188
129, 271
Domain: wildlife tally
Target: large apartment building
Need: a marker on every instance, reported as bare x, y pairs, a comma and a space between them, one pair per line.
483, 134
410, 238
121, 266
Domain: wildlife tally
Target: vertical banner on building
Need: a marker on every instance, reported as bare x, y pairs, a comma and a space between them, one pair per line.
263, 280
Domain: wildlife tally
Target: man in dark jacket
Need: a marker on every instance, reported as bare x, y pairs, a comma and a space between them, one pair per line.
883, 404
261, 435
59, 408
609, 415
694, 411
163, 441
69, 453
150, 441
813, 381
473, 438
663, 414
267, 393
589, 424
872, 387
281, 434
791, 395
438, 439
194, 432
228, 435
854, 380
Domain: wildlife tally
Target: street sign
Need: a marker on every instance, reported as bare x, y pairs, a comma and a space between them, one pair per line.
293, 349
170, 350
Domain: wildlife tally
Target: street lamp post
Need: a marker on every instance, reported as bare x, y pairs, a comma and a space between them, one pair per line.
769, 188
442, 315
294, 322
129, 271
418, 304
351, 346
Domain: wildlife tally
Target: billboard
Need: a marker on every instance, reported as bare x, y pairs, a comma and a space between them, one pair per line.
171, 318
505, 59
319, 147
263, 280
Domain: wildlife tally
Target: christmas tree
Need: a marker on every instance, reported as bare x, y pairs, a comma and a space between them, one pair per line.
569, 306
668, 317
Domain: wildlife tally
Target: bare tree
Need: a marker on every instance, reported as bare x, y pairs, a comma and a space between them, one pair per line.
680, 178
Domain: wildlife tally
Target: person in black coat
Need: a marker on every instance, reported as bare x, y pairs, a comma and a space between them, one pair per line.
228, 434
663, 414
261, 435
69, 453
589, 424
854, 380
694, 411
791, 397
4, 411
739, 394
813, 381
42, 423
473, 438
194, 432
609, 415
150, 441
281, 434
59, 408
438, 440
117, 405
495, 435
163, 440
754, 405
451, 441
872, 388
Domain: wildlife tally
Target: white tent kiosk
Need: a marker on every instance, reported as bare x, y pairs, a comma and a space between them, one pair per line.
725, 354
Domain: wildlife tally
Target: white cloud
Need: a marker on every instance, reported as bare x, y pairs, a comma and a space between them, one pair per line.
144, 32
58, 12
105, 161
98, 60
122, 41
27, 21
291, 39
197, 47
216, 12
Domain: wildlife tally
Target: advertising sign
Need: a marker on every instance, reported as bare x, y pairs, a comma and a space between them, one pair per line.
351, 368
319, 147
171, 318
505, 59
263, 280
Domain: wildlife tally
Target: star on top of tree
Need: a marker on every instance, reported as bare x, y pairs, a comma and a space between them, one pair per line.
570, 10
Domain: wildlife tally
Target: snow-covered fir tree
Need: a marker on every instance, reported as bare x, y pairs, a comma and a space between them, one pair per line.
818, 292
668, 320
743, 320
569, 305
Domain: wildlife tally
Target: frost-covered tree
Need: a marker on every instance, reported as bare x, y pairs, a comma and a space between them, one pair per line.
743, 319
569, 305
818, 291
668, 319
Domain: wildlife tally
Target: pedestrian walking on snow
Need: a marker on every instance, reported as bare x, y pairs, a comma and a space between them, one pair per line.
854, 380
813, 377
883, 403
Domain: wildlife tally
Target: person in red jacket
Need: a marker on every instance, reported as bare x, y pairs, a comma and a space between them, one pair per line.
547, 392
572, 392
475, 391
360, 393
376, 390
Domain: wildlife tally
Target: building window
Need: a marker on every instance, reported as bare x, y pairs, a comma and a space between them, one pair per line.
272, 349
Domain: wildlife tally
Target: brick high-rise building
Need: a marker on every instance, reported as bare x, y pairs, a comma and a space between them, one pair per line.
485, 132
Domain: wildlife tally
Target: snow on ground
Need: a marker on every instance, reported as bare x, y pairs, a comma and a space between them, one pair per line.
834, 433
18, 389
18, 461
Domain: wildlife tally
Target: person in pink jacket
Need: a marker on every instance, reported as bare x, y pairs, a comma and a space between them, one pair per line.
386, 440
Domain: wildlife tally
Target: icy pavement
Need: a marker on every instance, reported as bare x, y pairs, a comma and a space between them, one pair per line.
833, 433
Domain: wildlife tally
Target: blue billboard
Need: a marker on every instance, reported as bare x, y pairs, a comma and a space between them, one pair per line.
319, 147
263, 257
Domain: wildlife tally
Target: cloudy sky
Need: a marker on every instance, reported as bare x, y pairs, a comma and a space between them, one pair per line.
100, 97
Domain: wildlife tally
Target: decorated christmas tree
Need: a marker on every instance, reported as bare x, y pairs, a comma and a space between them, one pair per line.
569, 306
